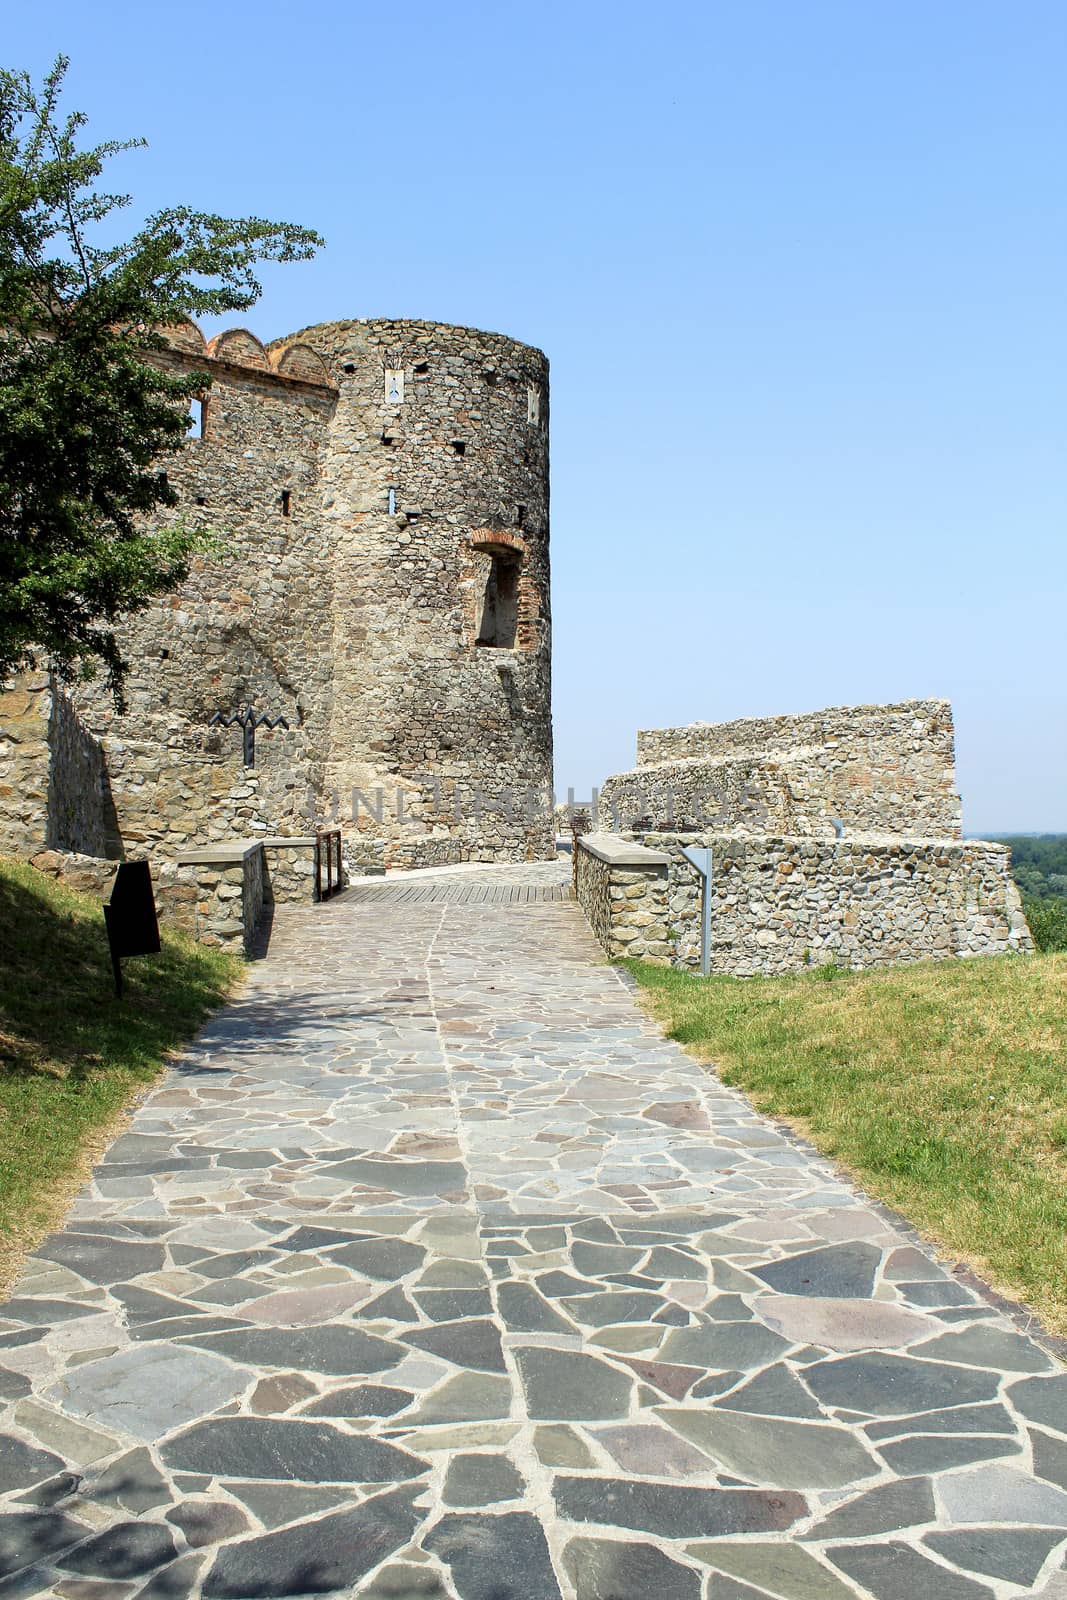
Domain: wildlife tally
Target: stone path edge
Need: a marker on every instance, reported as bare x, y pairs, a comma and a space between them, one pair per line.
1022, 1316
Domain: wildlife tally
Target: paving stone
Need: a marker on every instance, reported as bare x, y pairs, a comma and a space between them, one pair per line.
895, 1571
400, 1581
21, 1464
1015, 1554
176, 1582
481, 1480
1050, 1457
842, 1324
676, 1511
725, 1346
836, 1270
298, 1308
999, 1494
13, 1385
787, 1571
905, 1503
405, 1177
987, 1347
797, 1455
393, 1306
523, 1310
466, 1344
593, 1260
150, 1390
280, 1393
1042, 1400
559, 1446
669, 1378
208, 1521
364, 1400
125, 1551
448, 1305
279, 1504
27, 1537
309, 1452
381, 1258
992, 1418
922, 1454
775, 1392
600, 1310
571, 1387
101, 1260
616, 1569
48, 1313
133, 1482
493, 1556
469, 1396
330, 1552
653, 1451
884, 1384
334, 1348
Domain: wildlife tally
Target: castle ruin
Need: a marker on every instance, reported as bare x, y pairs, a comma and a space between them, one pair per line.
835, 837
379, 492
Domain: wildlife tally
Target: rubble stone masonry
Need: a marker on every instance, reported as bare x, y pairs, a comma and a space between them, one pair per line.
378, 495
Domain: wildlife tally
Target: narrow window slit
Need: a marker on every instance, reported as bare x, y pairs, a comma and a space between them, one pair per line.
392, 502
287, 502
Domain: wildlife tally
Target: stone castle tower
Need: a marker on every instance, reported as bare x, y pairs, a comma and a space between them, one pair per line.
379, 495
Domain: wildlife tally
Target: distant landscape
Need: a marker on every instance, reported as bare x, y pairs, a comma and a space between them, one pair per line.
1039, 866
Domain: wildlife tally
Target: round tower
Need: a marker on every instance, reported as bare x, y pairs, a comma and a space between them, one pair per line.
434, 478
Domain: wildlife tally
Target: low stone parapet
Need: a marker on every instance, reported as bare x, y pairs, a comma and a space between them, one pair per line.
784, 903
622, 888
217, 893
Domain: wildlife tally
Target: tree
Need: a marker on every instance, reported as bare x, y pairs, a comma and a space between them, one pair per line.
88, 412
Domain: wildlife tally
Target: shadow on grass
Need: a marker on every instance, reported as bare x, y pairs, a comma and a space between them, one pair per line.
58, 1011
72, 1056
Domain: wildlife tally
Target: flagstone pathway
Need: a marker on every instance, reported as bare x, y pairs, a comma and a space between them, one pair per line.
432, 1272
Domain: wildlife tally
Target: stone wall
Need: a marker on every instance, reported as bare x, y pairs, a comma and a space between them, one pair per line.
783, 904
746, 795
622, 889
887, 769
378, 496
435, 493
25, 766
218, 894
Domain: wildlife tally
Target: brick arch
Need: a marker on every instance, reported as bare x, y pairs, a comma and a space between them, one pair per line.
498, 541
299, 360
239, 346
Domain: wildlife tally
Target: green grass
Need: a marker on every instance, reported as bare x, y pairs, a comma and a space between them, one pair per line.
72, 1057
942, 1087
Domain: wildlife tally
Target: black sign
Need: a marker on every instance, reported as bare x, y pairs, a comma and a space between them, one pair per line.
130, 917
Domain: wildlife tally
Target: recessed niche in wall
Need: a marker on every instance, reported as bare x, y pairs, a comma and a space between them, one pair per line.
499, 620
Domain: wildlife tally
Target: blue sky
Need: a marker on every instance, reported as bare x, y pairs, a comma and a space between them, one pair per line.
799, 270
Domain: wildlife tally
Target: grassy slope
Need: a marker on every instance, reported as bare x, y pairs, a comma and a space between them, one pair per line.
71, 1056
942, 1087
